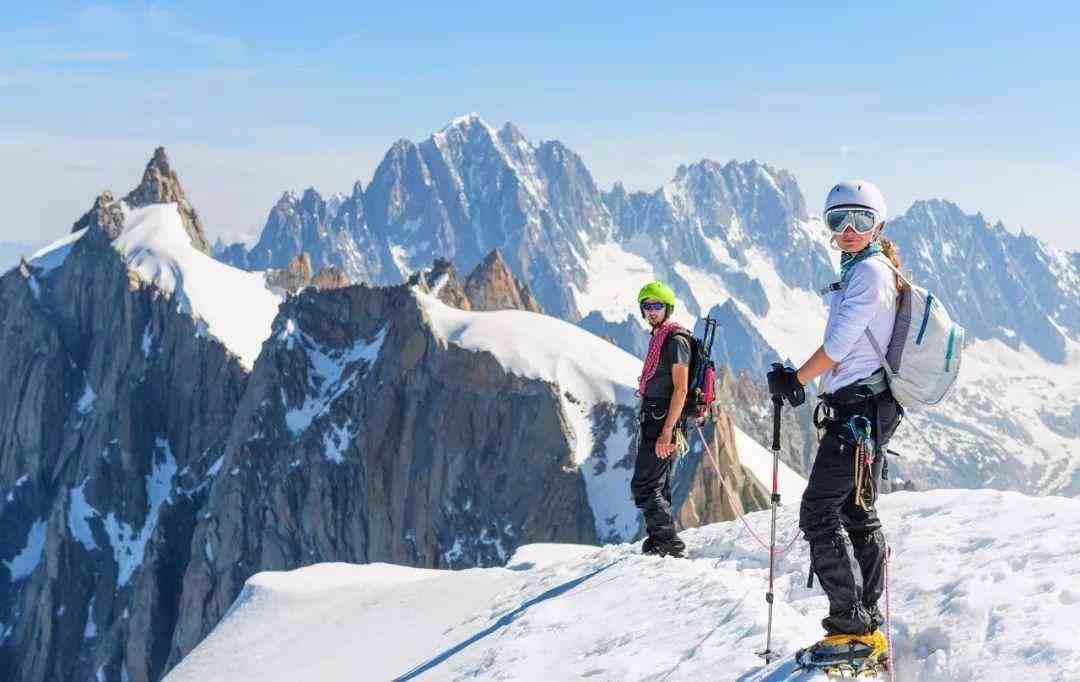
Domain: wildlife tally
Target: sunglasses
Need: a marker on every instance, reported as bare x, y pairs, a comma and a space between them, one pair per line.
652, 307
862, 220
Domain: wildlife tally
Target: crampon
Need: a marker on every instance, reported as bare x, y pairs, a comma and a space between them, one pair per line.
847, 656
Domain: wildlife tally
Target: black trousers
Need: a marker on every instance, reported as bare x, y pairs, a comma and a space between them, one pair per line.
847, 546
651, 484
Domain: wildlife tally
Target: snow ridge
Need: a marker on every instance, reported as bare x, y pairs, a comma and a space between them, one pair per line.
232, 305
982, 587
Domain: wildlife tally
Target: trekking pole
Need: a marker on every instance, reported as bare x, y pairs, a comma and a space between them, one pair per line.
778, 402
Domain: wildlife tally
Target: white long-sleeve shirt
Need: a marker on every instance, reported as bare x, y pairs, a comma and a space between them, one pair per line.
868, 301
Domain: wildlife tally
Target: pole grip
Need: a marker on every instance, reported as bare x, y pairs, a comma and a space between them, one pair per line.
777, 402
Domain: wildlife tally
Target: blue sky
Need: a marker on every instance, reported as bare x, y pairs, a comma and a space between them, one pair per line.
979, 104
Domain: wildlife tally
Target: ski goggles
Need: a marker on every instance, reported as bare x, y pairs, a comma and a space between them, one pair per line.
652, 307
862, 220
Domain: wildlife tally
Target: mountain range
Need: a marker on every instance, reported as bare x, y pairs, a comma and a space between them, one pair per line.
737, 242
337, 392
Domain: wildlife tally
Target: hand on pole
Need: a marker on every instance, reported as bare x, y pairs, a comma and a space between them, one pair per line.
784, 382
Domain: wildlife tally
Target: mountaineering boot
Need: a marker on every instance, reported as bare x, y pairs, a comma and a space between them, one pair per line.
847, 655
674, 548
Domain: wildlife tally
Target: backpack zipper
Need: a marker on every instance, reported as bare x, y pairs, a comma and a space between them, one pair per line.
925, 318
949, 348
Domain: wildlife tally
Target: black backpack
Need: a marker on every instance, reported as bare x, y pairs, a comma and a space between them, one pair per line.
701, 389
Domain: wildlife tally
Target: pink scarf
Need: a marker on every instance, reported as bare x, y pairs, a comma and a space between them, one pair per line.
652, 359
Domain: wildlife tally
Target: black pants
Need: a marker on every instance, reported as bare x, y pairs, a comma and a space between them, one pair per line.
847, 546
651, 484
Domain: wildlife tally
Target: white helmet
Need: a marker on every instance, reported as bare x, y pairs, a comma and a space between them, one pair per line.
857, 193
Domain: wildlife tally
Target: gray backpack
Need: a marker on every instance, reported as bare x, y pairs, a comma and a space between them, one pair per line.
923, 357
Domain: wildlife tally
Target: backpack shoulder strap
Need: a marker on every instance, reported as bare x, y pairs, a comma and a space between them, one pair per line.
881, 356
841, 285
686, 334
870, 337
888, 264
682, 332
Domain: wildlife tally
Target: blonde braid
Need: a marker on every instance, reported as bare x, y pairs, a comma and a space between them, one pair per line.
892, 252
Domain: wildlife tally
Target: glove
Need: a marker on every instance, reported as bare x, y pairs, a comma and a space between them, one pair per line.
784, 382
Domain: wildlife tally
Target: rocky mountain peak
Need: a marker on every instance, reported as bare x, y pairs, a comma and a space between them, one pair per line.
311, 200
401, 162
329, 278
442, 266
464, 122
105, 220
491, 286
160, 185
936, 209
288, 198
442, 282
293, 277
510, 136
466, 130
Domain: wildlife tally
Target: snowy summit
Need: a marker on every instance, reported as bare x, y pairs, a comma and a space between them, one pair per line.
234, 306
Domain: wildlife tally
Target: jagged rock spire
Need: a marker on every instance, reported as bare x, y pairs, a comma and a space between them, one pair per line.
104, 219
292, 278
491, 286
160, 185
329, 278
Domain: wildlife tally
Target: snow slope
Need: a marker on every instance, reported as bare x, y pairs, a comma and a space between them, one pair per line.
984, 586
234, 306
589, 371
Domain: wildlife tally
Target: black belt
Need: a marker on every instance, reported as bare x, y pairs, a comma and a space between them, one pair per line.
859, 392
656, 409
848, 400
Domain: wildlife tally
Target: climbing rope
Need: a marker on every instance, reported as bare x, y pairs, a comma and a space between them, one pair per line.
737, 505
888, 618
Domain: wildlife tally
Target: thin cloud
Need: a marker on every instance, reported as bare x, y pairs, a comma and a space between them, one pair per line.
170, 25
95, 57
81, 165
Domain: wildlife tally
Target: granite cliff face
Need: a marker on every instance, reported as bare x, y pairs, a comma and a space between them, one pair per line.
360, 439
116, 406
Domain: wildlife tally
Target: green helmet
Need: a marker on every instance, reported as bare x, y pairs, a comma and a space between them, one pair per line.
658, 291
